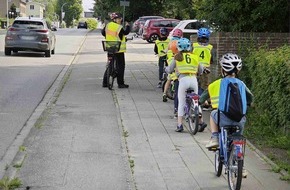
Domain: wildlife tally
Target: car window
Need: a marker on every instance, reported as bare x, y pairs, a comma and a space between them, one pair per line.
175, 23
163, 23
146, 23
28, 24
193, 26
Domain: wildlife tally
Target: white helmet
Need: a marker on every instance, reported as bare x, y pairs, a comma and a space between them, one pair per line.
231, 63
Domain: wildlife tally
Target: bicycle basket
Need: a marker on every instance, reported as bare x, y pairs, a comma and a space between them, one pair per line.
111, 46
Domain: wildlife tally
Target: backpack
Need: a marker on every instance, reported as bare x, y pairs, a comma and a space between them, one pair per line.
233, 99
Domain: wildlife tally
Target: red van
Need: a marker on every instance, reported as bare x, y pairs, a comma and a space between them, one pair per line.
151, 30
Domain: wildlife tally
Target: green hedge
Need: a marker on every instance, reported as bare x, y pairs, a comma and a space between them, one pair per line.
267, 73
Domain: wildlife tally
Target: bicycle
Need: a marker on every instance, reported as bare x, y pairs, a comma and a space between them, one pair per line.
230, 154
192, 110
112, 47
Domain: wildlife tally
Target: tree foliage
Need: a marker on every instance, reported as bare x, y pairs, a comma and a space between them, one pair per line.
229, 16
246, 15
72, 9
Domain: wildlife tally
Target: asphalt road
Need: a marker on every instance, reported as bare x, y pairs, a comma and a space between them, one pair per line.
24, 80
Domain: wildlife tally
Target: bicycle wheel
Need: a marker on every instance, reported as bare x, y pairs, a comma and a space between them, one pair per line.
193, 119
235, 171
111, 73
218, 163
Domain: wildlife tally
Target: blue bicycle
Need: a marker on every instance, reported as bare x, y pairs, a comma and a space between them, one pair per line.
230, 154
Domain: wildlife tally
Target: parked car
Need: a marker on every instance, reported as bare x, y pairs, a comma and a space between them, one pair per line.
151, 30
30, 34
189, 27
82, 24
139, 23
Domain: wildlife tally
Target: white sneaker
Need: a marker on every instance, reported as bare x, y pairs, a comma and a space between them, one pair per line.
213, 143
244, 173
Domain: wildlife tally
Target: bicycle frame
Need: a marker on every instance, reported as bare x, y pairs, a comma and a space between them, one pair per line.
192, 110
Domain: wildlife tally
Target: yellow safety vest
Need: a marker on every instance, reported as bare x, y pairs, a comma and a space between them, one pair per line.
203, 53
189, 65
112, 34
170, 57
162, 47
214, 92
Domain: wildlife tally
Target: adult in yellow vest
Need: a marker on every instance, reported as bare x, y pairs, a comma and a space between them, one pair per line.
187, 67
231, 64
204, 51
160, 48
114, 31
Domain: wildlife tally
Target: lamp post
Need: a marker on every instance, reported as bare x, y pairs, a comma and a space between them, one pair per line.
61, 10
7, 22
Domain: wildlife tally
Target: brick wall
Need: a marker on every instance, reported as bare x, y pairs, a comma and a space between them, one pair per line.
224, 42
235, 42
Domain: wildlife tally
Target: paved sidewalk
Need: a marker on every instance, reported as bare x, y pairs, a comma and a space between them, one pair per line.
93, 138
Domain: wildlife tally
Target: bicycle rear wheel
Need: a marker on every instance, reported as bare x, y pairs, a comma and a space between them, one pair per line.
111, 73
193, 118
218, 163
235, 170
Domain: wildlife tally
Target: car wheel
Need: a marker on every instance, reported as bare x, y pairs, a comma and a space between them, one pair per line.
15, 51
7, 51
53, 51
152, 38
47, 53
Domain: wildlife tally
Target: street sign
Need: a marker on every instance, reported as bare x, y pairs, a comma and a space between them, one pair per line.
125, 3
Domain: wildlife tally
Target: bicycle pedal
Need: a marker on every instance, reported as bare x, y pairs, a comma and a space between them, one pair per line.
213, 149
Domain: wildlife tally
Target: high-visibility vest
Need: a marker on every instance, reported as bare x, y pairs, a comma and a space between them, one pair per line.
189, 65
162, 47
214, 91
112, 34
203, 53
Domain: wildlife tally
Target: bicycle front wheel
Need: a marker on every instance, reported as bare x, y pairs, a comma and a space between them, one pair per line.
235, 170
193, 119
111, 74
218, 163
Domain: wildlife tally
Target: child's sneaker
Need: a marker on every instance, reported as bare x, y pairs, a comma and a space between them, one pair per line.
164, 97
202, 126
213, 143
244, 173
179, 128
159, 85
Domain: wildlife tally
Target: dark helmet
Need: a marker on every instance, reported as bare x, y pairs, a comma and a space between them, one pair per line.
163, 31
115, 15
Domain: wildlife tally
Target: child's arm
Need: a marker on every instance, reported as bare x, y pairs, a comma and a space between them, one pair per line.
156, 49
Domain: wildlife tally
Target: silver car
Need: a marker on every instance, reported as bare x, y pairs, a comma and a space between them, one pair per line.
30, 34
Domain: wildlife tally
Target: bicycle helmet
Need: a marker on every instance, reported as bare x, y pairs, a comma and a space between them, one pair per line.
173, 46
203, 33
177, 33
163, 31
231, 63
115, 15
183, 44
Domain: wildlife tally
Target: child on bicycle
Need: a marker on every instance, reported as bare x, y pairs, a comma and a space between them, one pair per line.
172, 50
160, 48
231, 65
186, 66
204, 51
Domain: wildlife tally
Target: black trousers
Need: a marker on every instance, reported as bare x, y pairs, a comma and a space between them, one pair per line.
120, 58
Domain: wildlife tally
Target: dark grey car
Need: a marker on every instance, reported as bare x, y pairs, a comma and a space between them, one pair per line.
30, 34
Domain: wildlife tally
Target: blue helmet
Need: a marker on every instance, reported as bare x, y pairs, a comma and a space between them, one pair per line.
203, 32
183, 44
163, 31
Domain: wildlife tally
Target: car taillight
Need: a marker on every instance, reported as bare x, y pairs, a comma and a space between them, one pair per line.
11, 29
44, 40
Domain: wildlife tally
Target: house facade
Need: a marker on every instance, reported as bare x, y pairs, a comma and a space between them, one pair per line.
19, 4
35, 9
